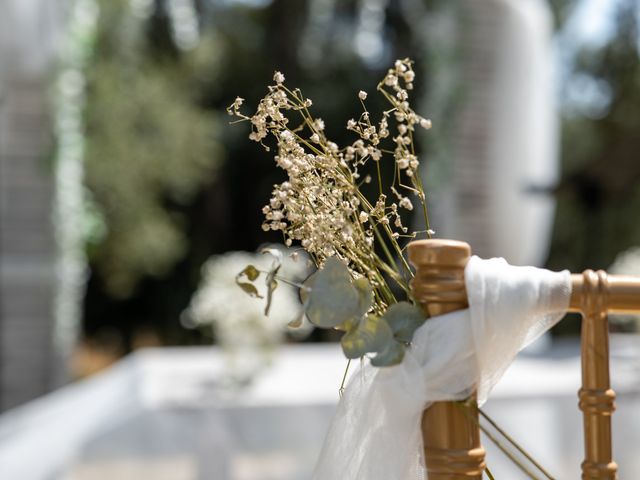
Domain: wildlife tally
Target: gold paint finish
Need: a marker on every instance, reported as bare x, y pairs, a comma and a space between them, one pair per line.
596, 399
594, 294
452, 463
450, 432
623, 293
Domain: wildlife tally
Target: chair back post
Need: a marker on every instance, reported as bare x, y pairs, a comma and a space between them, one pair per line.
596, 398
450, 430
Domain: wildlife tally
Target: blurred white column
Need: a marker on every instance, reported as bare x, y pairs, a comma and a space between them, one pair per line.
503, 145
29, 34
28, 37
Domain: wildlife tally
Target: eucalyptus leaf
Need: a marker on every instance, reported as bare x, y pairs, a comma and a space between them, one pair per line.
271, 281
304, 292
331, 298
272, 284
372, 334
297, 322
404, 318
391, 355
249, 288
365, 296
251, 272
347, 326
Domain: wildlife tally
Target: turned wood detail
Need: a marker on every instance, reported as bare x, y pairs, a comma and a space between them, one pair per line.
596, 398
450, 431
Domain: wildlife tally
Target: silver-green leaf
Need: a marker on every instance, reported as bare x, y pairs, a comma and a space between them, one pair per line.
365, 296
331, 298
391, 355
371, 334
404, 318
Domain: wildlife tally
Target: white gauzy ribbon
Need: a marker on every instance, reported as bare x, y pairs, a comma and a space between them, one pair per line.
375, 434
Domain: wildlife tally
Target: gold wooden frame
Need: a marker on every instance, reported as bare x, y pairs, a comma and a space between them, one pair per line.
450, 431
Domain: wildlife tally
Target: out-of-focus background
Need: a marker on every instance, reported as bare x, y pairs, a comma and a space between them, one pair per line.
128, 203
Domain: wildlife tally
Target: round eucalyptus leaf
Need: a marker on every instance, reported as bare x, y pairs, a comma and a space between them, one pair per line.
331, 298
347, 326
372, 334
365, 296
391, 355
404, 318
303, 292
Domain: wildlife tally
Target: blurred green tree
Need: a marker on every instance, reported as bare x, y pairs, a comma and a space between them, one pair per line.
157, 144
154, 166
599, 195
150, 148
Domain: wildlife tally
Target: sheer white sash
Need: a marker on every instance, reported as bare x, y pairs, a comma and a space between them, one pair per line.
375, 434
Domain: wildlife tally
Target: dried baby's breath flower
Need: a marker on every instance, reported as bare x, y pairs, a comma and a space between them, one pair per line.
278, 77
425, 123
406, 203
237, 103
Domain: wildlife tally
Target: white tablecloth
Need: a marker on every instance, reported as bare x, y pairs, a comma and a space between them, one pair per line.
166, 414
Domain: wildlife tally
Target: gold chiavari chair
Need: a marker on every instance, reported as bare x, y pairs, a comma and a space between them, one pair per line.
451, 430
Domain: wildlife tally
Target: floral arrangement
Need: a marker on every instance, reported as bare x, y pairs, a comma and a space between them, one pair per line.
362, 282
237, 325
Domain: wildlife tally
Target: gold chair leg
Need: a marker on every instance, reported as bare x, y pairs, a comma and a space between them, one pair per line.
450, 432
596, 398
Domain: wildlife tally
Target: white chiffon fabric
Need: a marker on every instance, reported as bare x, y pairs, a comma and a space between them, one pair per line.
375, 434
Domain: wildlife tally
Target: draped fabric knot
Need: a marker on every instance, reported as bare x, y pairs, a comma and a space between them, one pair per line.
376, 434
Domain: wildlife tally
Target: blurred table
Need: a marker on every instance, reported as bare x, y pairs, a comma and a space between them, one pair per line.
170, 414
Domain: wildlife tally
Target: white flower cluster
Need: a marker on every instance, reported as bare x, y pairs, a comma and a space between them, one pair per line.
319, 205
269, 114
236, 320
399, 80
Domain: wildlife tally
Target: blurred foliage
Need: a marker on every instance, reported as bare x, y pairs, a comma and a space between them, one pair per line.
154, 167
156, 143
150, 148
561, 10
599, 195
